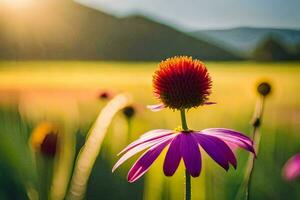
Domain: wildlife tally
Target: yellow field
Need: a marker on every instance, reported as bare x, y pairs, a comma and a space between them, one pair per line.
233, 83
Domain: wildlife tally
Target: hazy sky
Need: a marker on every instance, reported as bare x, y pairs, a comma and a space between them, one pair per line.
209, 14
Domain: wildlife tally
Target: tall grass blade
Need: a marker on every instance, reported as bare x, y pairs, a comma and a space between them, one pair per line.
90, 150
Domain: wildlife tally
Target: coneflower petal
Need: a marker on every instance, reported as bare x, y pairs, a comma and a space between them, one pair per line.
217, 150
147, 137
291, 170
138, 149
156, 108
143, 164
231, 137
156, 132
209, 103
173, 157
190, 153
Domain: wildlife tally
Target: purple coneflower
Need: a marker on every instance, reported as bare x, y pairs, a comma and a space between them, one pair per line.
182, 83
291, 170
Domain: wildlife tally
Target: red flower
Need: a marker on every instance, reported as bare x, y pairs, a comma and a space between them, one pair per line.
182, 83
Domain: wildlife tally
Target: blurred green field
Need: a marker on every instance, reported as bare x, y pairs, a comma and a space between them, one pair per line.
67, 93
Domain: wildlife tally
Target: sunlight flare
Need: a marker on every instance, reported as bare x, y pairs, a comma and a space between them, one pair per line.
17, 3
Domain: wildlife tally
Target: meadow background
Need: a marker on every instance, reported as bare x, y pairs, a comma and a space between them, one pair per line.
67, 93
58, 56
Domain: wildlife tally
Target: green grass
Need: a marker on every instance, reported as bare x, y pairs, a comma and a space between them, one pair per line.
66, 92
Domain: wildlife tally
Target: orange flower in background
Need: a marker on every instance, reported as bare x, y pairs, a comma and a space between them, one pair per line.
106, 95
44, 139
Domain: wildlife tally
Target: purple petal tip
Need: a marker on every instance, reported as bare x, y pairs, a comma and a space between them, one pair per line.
143, 164
209, 103
291, 170
156, 108
173, 157
191, 154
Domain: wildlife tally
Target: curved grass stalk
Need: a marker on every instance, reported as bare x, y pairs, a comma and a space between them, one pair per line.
89, 152
245, 189
256, 141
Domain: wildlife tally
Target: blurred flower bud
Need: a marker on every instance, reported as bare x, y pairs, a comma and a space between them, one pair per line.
264, 88
129, 112
105, 95
291, 169
256, 122
44, 139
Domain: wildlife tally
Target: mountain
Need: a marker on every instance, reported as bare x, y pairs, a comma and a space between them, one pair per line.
63, 29
271, 49
245, 40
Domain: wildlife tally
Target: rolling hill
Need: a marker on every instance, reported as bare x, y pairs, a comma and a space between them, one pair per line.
245, 40
63, 29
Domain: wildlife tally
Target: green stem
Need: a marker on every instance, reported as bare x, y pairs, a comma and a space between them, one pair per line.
183, 120
45, 167
256, 140
129, 127
188, 192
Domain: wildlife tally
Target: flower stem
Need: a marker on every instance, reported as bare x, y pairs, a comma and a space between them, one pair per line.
256, 140
183, 120
129, 128
188, 192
